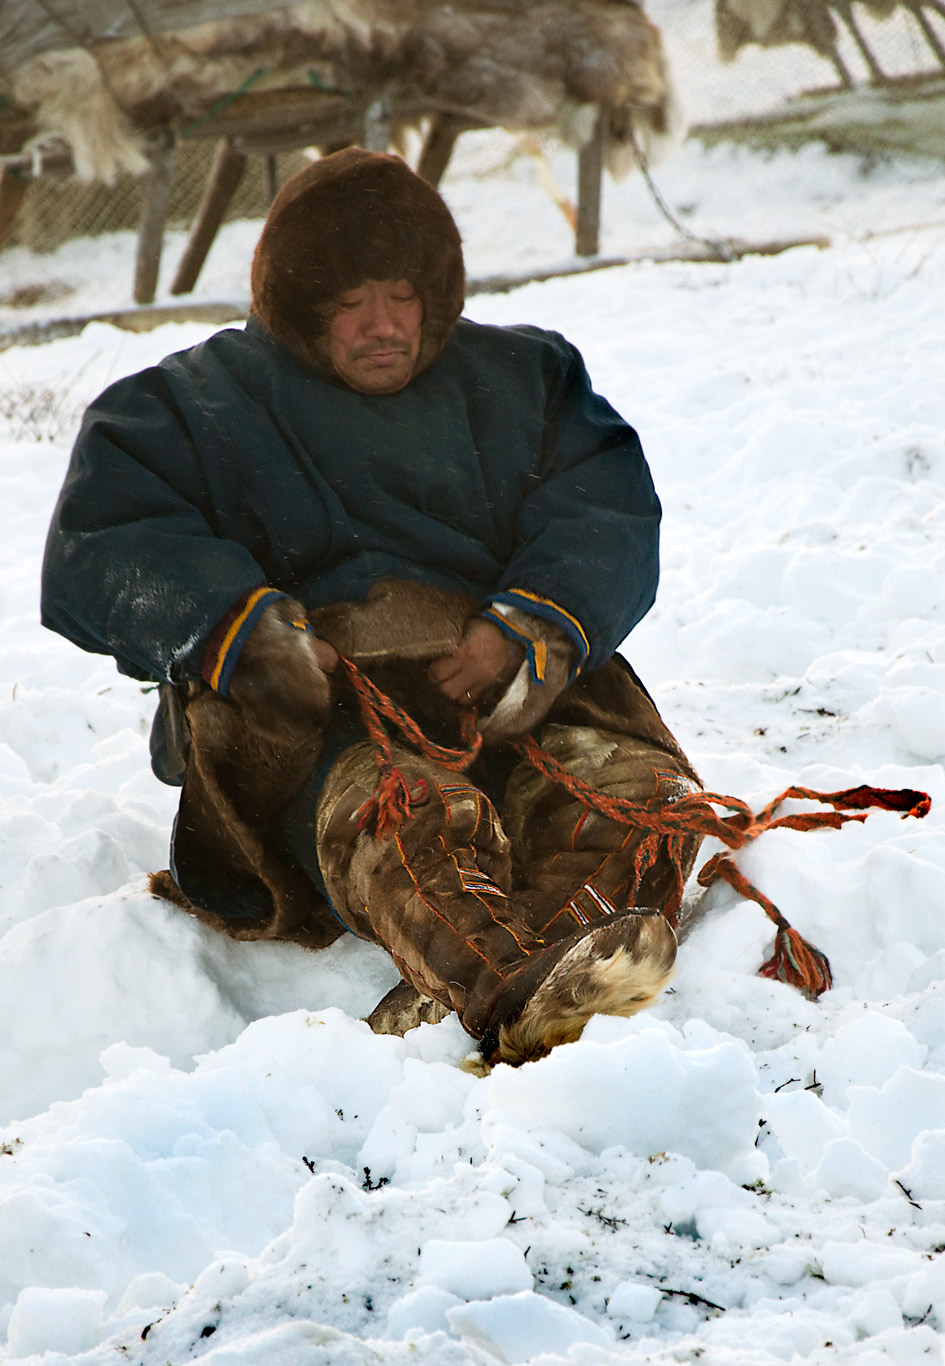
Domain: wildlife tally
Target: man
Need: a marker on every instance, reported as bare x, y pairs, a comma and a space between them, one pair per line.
362, 484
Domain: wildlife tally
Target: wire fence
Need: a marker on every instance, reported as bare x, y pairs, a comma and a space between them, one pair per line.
56, 210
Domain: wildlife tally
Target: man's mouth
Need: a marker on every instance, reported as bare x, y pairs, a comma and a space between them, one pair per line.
385, 355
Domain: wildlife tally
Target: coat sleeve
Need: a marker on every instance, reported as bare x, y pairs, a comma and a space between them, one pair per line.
587, 558
133, 566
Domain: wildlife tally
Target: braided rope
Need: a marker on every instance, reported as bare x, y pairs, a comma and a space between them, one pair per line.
385, 811
665, 823
794, 960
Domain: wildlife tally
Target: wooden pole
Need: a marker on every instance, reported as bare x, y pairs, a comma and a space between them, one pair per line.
272, 176
438, 145
155, 195
845, 9
222, 183
931, 37
590, 172
13, 187
822, 35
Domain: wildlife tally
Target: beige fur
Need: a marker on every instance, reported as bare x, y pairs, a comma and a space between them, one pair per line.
583, 984
536, 66
525, 702
69, 99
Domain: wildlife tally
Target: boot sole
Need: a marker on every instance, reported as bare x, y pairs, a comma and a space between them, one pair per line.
617, 968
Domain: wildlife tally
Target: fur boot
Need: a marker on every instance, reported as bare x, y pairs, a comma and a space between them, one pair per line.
573, 865
436, 896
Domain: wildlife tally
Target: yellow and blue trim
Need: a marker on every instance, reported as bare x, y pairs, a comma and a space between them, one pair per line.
231, 634
533, 604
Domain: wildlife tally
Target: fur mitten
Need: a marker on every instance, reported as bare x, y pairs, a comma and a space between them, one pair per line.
281, 676
542, 677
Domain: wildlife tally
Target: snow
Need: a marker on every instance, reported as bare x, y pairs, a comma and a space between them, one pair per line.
206, 1155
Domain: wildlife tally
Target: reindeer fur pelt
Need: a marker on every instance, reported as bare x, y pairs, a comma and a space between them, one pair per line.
525, 65
774, 23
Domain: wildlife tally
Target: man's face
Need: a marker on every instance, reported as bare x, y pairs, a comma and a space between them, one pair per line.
374, 336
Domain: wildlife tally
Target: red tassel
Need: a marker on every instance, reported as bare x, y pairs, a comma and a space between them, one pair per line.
798, 963
903, 799
390, 805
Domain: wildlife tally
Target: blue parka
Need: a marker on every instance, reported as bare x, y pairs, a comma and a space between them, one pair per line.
497, 471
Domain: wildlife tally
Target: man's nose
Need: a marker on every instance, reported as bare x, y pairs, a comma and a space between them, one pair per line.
380, 320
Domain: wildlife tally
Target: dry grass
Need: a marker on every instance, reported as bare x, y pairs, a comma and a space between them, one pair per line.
38, 412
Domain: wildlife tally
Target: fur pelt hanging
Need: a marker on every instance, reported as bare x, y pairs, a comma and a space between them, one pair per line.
774, 23
525, 65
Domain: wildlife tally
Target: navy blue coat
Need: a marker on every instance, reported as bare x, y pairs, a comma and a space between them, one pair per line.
497, 471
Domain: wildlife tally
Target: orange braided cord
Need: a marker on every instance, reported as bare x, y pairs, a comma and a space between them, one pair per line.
798, 963
794, 960
693, 813
903, 799
665, 823
724, 867
390, 804
374, 704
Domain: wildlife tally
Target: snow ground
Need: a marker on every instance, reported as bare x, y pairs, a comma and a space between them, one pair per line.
206, 1156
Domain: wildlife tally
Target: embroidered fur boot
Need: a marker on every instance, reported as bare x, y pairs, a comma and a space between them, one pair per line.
436, 896
573, 865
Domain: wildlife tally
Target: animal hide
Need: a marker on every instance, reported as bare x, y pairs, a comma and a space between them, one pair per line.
525, 65
774, 23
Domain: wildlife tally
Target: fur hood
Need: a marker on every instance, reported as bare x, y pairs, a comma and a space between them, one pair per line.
350, 217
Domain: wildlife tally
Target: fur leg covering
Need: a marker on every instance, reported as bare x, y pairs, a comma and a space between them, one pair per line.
572, 865
436, 896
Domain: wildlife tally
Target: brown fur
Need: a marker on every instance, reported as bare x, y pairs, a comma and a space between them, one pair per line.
526, 702
494, 956
554, 862
397, 620
278, 679
351, 217
519, 985
773, 23
526, 65
241, 772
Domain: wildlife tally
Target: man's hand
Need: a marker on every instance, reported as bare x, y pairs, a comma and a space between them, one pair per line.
485, 661
281, 677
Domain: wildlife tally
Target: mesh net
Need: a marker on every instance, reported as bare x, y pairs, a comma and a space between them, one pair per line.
56, 210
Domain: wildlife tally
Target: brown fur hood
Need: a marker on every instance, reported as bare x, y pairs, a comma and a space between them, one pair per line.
350, 217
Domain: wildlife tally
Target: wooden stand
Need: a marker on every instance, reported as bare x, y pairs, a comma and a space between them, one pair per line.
13, 187
442, 133
157, 190
590, 172
223, 182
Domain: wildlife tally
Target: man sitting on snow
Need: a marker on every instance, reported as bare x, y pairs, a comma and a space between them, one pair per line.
361, 485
